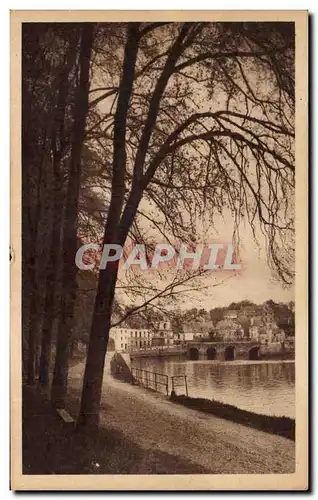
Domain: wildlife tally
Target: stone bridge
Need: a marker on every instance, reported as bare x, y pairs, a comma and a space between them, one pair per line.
224, 350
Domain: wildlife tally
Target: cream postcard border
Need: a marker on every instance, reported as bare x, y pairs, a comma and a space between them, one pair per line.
295, 481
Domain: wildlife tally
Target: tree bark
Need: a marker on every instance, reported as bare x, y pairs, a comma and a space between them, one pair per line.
33, 321
31, 262
69, 269
99, 335
58, 149
50, 302
117, 228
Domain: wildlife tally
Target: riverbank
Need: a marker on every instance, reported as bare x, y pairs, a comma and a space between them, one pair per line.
263, 387
282, 426
206, 442
144, 433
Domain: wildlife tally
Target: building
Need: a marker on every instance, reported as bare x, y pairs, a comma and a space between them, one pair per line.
127, 339
265, 336
249, 311
256, 325
278, 335
198, 330
268, 315
180, 338
163, 334
290, 343
228, 329
130, 338
263, 328
260, 331
188, 336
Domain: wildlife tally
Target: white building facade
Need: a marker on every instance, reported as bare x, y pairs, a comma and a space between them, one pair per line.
131, 338
127, 339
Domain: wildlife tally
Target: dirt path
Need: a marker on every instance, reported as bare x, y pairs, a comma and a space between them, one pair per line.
217, 445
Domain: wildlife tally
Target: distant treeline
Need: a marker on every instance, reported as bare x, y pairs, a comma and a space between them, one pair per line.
283, 315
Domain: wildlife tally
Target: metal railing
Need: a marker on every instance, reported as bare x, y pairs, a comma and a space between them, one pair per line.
179, 381
151, 380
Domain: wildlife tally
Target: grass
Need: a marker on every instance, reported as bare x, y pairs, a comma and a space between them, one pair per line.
282, 426
49, 447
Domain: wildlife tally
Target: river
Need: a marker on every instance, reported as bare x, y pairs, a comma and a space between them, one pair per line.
266, 387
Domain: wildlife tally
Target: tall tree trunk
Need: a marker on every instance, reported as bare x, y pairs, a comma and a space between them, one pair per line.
31, 261
69, 269
29, 230
50, 302
95, 362
117, 227
34, 152
58, 146
33, 322
93, 377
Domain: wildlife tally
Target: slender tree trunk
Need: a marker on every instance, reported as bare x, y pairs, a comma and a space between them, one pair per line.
93, 377
94, 369
58, 146
117, 226
29, 231
69, 269
35, 155
49, 307
33, 284
33, 322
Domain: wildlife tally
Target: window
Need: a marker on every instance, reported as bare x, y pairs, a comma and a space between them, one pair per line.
122, 345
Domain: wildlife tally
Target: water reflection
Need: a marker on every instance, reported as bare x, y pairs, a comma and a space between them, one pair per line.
264, 387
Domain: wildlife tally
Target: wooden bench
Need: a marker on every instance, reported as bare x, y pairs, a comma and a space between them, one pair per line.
66, 417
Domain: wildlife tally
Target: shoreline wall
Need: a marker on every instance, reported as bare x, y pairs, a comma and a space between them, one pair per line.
120, 367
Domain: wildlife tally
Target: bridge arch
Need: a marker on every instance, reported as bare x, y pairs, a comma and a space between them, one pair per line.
194, 353
253, 353
211, 353
229, 353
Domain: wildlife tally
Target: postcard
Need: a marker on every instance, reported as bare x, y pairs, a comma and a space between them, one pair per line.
159, 219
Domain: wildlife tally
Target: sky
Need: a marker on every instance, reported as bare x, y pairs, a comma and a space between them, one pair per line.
253, 282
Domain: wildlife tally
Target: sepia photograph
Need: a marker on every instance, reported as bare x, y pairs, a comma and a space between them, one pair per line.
159, 325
